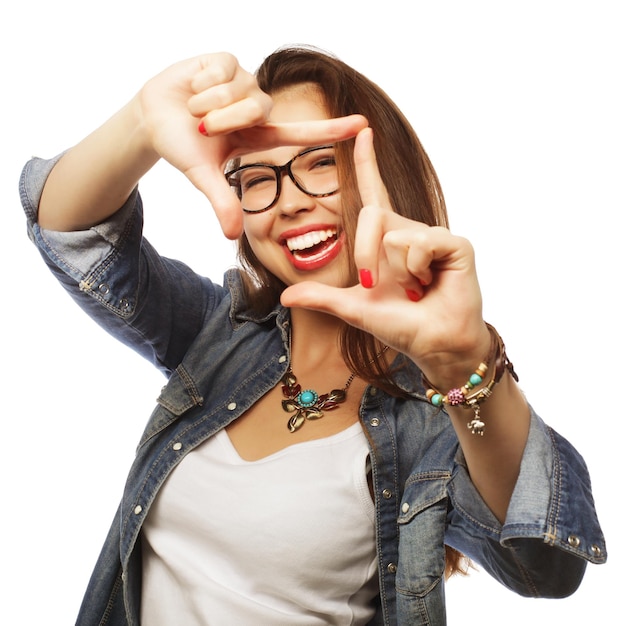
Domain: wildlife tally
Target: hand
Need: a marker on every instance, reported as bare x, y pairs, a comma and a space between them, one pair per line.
424, 299
215, 90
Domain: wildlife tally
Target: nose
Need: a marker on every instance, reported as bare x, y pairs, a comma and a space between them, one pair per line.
293, 200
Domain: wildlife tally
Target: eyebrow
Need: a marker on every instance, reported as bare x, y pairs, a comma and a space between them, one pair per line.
298, 153
242, 163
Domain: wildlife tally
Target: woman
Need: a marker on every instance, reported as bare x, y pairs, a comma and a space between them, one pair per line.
299, 468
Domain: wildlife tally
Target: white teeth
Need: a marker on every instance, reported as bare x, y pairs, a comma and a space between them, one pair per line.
308, 240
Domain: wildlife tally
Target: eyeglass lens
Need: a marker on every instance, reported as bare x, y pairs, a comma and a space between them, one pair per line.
314, 172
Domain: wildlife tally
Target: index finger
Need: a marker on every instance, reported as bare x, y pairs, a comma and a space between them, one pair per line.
376, 204
307, 133
371, 187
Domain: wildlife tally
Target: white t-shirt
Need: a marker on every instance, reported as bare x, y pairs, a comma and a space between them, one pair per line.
286, 540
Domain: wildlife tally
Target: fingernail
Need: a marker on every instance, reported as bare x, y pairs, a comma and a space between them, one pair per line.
202, 129
365, 277
413, 295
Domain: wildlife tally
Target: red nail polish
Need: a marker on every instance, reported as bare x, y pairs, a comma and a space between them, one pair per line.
413, 295
202, 129
365, 277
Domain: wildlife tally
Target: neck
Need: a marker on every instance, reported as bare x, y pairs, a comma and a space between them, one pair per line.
314, 337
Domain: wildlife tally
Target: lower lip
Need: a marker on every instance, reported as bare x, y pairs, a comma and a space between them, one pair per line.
319, 260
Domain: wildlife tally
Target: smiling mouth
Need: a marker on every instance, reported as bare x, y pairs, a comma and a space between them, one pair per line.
312, 244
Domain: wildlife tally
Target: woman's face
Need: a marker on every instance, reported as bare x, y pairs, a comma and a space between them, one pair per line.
300, 237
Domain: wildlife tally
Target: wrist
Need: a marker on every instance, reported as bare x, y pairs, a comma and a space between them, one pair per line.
139, 135
449, 370
479, 384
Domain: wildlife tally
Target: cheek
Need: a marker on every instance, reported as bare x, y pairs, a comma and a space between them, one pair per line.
257, 226
257, 231
332, 203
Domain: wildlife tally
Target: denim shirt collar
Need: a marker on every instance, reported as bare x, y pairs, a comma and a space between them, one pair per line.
241, 313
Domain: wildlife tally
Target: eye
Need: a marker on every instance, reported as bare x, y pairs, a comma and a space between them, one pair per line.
256, 178
324, 161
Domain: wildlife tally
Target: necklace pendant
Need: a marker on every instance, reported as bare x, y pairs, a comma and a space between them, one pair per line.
308, 398
335, 397
307, 404
295, 422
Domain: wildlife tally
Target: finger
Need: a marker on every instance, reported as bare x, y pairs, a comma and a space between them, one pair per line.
353, 306
326, 299
370, 183
367, 244
239, 115
376, 207
223, 96
214, 69
413, 253
211, 182
306, 133
406, 262
219, 96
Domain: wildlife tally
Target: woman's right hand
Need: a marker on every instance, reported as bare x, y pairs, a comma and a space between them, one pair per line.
95, 177
213, 91
162, 121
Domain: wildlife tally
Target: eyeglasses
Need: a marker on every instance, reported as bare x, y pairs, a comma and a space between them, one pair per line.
258, 185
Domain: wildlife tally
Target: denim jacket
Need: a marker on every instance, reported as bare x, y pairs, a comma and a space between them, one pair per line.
220, 359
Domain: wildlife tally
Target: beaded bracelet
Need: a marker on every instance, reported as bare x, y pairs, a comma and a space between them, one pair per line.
463, 396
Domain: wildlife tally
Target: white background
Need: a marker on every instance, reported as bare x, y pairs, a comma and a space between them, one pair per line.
521, 108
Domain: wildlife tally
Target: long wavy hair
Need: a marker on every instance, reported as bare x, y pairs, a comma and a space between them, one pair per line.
411, 181
412, 184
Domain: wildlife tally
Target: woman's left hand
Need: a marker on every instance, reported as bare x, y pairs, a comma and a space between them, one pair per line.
419, 292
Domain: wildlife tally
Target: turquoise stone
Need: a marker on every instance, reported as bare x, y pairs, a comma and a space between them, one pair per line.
436, 399
475, 379
308, 397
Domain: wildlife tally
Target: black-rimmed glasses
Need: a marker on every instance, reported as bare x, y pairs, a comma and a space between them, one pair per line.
258, 185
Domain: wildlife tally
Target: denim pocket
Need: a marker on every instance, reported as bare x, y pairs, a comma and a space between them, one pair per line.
178, 396
422, 526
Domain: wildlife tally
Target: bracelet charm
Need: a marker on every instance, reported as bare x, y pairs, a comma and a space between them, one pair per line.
463, 396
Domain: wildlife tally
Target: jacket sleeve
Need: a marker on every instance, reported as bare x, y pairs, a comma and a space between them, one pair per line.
551, 529
153, 304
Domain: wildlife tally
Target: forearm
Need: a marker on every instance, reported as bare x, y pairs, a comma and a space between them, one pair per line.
493, 444
94, 178
494, 459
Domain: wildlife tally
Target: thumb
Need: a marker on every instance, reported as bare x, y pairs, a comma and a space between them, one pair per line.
212, 183
337, 301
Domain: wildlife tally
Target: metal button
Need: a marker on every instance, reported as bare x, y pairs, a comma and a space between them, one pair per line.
282, 359
387, 493
573, 541
405, 507
373, 391
374, 422
124, 303
103, 288
392, 568
596, 550
177, 446
138, 509
232, 406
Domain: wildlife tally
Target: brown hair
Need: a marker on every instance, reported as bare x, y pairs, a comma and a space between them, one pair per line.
400, 157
